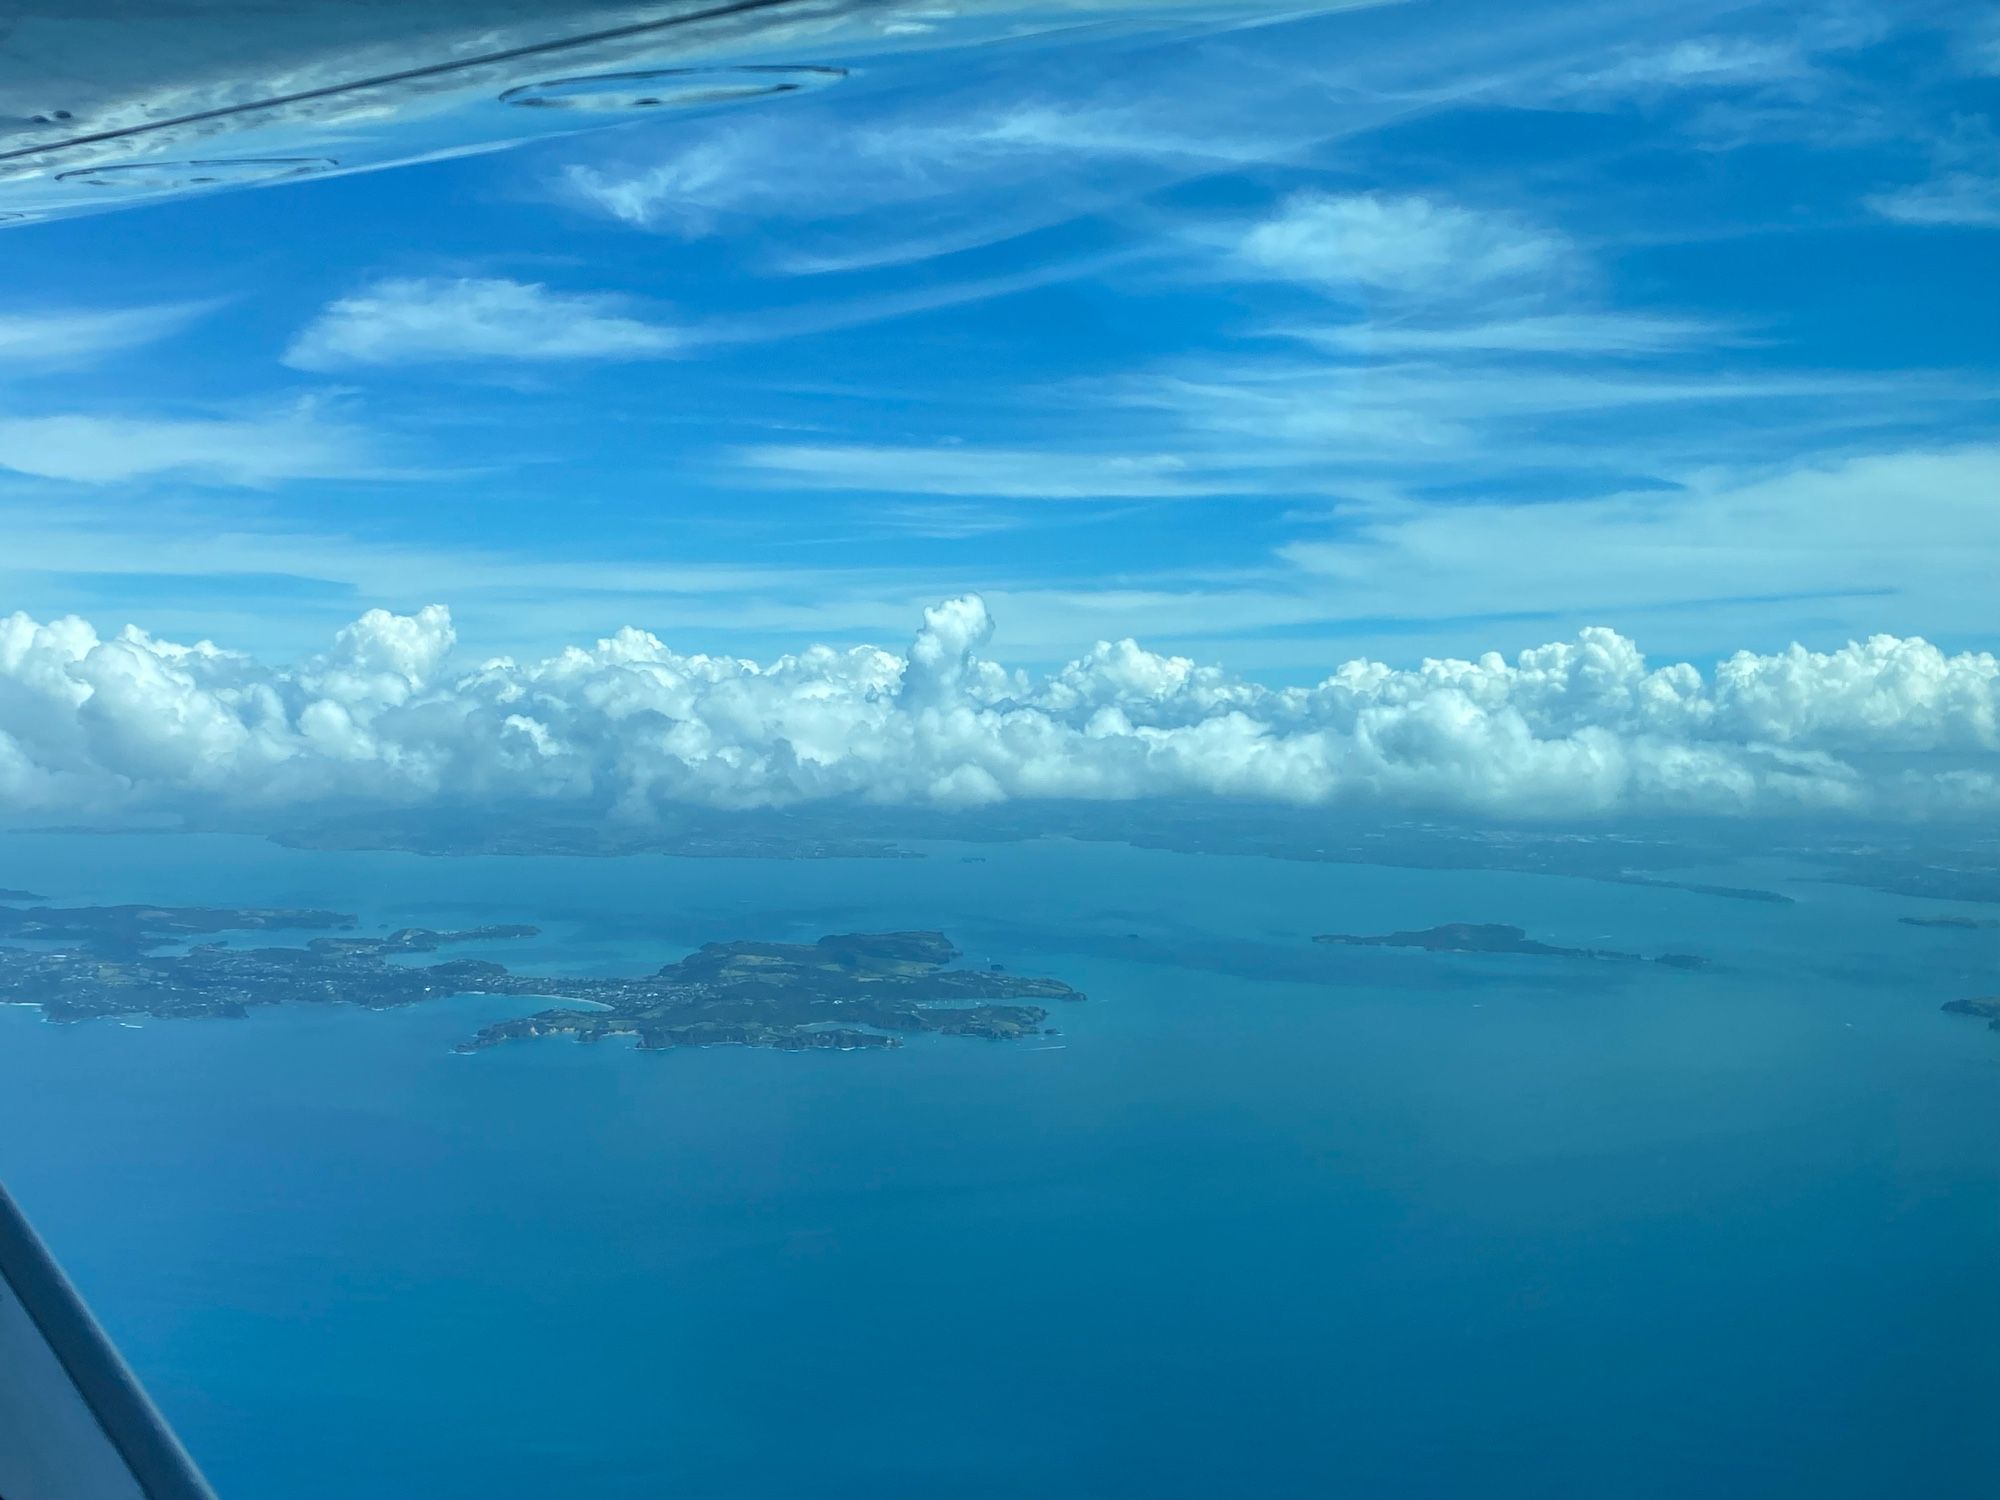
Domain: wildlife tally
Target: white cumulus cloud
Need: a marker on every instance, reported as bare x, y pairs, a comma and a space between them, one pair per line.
98, 725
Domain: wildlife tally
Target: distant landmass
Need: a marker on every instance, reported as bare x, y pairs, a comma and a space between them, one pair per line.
124, 931
847, 830
1983, 1007
1957, 863
844, 991
1497, 937
1919, 863
7, 895
1726, 892
690, 833
1968, 924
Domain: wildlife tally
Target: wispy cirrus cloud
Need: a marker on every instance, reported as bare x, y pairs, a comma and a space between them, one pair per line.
1729, 76
1459, 411
1402, 244
1575, 333
431, 320
918, 180
795, 167
1703, 62
1970, 199
1913, 527
1963, 188
495, 322
1978, 44
980, 472
1484, 341
63, 338
302, 440
798, 169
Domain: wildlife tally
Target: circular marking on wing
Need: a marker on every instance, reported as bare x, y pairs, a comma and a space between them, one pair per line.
670, 88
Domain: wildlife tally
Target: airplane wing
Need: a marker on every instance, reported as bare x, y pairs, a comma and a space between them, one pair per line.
103, 106
74, 1424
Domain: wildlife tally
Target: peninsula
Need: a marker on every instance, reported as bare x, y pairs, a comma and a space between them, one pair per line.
843, 991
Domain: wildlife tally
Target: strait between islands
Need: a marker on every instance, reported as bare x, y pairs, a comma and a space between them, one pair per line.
865, 989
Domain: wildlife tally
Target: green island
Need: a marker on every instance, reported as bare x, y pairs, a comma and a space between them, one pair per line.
844, 991
1498, 937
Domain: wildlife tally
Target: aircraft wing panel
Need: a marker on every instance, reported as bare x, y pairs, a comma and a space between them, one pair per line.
74, 1424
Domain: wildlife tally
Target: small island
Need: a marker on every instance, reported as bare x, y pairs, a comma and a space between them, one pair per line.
856, 989
845, 991
1981, 1007
1498, 937
1958, 923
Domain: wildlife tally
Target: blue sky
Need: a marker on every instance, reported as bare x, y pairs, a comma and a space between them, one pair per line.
1401, 331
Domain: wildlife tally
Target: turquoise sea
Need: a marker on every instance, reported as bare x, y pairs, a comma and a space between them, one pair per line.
1265, 1220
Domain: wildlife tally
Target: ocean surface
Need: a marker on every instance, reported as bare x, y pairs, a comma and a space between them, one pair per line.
1265, 1220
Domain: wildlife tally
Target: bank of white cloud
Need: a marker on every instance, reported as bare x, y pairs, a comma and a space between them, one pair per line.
97, 725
